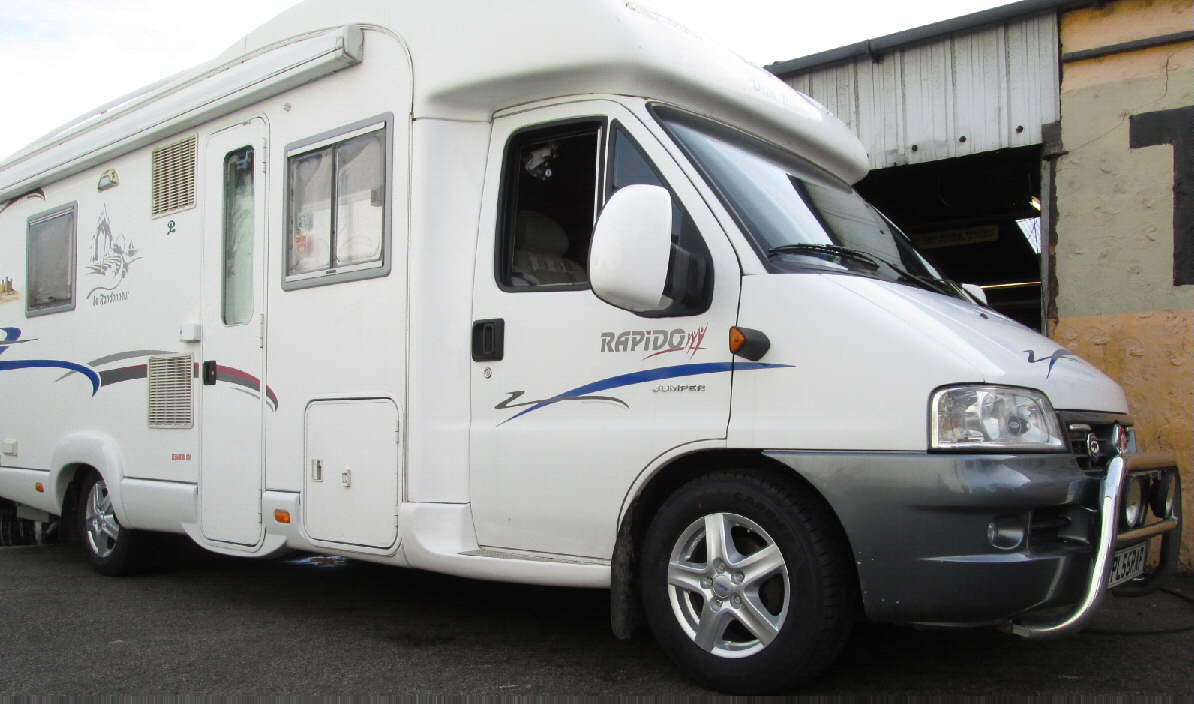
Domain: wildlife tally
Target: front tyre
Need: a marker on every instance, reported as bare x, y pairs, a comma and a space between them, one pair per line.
747, 583
111, 549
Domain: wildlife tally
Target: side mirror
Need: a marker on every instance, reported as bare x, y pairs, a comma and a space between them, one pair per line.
976, 292
632, 242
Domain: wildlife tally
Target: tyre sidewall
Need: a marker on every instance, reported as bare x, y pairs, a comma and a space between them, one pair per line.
121, 561
798, 651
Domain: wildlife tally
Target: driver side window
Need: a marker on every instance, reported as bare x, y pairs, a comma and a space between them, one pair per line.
553, 187
549, 201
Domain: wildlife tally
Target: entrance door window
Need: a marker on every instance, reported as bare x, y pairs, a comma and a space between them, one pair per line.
238, 237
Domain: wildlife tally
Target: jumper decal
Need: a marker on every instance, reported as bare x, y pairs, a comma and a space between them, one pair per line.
656, 342
676, 388
12, 336
1060, 354
582, 393
111, 256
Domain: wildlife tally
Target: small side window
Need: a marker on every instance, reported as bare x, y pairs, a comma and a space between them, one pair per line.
238, 236
690, 267
50, 261
549, 204
337, 213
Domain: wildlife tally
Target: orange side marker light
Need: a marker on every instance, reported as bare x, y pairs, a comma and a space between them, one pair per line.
281, 516
749, 343
41, 488
737, 339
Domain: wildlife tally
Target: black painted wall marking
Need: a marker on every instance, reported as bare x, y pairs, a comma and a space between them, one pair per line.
1174, 127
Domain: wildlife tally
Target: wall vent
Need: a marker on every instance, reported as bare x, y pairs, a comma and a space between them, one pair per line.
170, 391
173, 181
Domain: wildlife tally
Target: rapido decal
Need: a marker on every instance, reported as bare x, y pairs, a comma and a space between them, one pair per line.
111, 257
655, 342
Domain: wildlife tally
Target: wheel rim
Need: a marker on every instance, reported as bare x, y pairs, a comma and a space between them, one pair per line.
728, 585
103, 530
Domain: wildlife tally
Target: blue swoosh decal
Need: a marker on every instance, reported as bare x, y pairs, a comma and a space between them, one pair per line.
614, 382
58, 364
10, 335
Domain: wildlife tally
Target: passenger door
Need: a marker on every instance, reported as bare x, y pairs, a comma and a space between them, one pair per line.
232, 371
585, 395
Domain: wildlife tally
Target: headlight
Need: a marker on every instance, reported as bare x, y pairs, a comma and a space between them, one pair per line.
992, 418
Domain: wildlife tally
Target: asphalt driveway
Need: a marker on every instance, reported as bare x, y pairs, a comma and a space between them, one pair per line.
204, 624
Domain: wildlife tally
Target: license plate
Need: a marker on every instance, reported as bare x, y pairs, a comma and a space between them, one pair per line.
1127, 563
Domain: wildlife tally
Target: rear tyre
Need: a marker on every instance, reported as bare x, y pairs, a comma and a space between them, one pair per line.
111, 548
747, 583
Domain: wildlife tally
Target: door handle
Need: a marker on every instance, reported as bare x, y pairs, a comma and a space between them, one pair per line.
488, 340
209, 373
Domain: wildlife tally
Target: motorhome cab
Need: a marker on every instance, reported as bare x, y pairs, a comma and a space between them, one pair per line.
550, 293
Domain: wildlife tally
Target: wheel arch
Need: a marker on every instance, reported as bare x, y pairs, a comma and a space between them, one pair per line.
78, 453
640, 508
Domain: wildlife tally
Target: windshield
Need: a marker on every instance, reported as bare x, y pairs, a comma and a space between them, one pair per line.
799, 216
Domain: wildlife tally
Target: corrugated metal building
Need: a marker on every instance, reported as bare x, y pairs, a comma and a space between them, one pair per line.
953, 90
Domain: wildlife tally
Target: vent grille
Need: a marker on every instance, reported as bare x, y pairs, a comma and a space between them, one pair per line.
170, 389
173, 179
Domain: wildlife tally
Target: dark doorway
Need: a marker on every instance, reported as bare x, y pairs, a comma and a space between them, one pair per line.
970, 216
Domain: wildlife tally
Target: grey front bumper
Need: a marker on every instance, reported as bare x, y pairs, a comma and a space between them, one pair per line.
980, 539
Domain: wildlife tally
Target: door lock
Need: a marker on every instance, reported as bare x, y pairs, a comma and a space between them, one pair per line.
346, 478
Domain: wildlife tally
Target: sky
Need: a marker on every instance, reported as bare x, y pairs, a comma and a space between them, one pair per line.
61, 58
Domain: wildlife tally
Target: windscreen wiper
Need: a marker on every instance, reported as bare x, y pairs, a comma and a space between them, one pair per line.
833, 250
874, 260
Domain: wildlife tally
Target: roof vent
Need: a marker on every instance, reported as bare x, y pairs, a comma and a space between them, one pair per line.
170, 391
174, 177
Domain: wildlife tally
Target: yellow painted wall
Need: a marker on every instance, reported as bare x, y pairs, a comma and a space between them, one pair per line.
1116, 303
1150, 355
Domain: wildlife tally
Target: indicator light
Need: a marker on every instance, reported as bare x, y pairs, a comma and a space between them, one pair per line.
281, 516
749, 344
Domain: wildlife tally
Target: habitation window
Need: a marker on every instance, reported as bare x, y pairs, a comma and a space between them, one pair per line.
50, 261
337, 215
549, 204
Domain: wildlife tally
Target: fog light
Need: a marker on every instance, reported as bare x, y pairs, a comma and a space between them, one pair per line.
1133, 503
1006, 532
1163, 492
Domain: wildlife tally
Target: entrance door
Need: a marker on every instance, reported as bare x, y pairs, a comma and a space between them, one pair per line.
232, 400
580, 396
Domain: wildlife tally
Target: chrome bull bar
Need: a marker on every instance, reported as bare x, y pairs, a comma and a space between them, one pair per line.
1111, 496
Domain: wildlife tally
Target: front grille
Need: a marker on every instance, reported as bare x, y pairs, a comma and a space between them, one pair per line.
1079, 426
1047, 525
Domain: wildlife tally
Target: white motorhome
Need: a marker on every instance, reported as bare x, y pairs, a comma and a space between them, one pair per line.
554, 293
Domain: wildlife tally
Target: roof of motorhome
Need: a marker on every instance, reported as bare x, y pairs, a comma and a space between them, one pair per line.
470, 59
